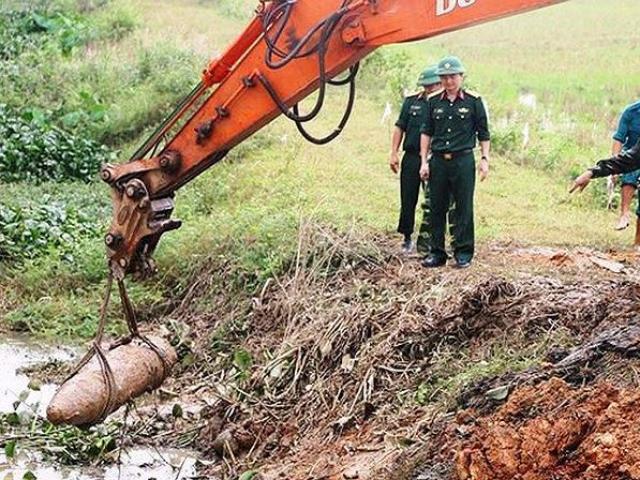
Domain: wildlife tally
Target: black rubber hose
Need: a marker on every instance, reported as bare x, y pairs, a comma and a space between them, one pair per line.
295, 53
272, 42
353, 71
268, 20
326, 33
343, 122
327, 26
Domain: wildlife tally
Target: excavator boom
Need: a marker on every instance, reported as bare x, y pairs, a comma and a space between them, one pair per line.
289, 50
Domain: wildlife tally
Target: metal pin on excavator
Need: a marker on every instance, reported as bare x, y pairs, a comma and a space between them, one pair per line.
289, 50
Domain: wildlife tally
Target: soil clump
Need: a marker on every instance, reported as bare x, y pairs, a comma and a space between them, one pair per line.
555, 431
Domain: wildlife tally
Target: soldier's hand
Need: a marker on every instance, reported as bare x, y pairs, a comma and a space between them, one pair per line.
394, 162
582, 181
424, 172
484, 169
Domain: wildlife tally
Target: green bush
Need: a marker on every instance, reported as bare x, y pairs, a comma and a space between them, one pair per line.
390, 68
64, 25
29, 229
506, 141
37, 45
29, 28
34, 150
18, 32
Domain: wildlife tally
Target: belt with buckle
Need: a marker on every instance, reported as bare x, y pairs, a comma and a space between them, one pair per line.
452, 155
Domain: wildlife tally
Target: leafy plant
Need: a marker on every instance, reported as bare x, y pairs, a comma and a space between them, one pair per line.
29, 230
18, 32
68, 445
29, 28
10, 449
249, 475
92, 111
68, 32
34, 150
242, 361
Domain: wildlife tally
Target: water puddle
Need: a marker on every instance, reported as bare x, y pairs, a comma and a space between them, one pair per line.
137, 463
16, 353
528, 100
18, 393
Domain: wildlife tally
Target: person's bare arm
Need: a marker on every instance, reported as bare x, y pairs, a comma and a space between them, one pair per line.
485, 148
621, 163
396, 140
425, 146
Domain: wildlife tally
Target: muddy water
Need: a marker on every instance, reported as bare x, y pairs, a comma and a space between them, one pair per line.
139, 464
528, 100
18, 352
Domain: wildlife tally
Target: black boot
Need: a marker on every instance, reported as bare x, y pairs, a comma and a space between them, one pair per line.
434, 262
407, 245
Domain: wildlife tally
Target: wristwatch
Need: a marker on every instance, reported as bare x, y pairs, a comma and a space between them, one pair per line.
484, 157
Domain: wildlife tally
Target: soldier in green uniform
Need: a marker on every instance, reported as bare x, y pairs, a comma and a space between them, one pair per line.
455, 118
408, 128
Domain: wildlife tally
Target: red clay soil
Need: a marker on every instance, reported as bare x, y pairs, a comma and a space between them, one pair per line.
555, 432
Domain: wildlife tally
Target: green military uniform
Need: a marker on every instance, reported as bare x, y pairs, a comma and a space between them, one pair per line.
412, 116
453, 127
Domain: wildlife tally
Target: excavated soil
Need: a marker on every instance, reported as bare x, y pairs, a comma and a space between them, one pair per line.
555, 431
340, 346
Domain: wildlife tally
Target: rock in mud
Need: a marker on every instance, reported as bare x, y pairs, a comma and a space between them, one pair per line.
234, 441
351, 474
136, 369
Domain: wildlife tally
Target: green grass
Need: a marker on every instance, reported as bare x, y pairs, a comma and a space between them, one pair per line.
445, 388
246, 212
581, 70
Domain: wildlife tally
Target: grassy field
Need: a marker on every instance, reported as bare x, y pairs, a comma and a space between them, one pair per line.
580, 69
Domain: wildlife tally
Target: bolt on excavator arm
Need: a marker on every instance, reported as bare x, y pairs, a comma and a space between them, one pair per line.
289, 50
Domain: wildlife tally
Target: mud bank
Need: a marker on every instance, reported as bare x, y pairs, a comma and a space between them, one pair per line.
356, 364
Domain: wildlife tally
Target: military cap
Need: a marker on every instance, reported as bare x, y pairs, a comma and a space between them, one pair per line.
450, 66
429, 77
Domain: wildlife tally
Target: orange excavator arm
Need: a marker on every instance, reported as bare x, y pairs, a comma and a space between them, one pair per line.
290, 49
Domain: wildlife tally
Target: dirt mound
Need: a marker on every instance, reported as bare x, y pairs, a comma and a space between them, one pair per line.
354, 359
554, 431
